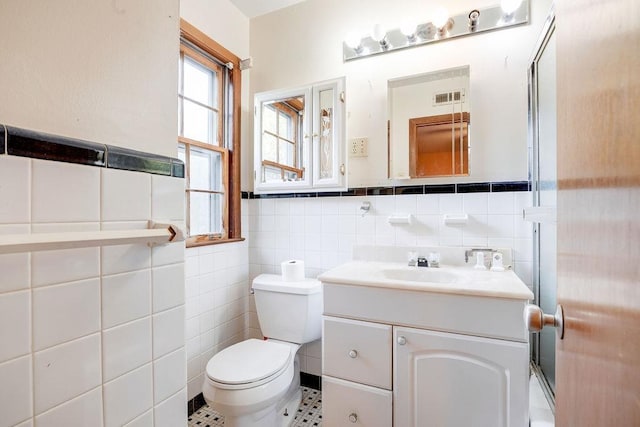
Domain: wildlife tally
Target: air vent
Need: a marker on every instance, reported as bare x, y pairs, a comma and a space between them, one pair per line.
445, 98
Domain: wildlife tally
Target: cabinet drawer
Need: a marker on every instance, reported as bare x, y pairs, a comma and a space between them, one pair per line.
348, 404
357, 351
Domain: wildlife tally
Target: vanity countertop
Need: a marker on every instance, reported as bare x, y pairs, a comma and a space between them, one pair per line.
460, 280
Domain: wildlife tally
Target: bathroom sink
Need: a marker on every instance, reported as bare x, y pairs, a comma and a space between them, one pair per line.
417, 274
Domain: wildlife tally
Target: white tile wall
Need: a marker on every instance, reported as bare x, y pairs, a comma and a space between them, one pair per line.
15, 391
15, 176
66, 371
50, 204
168, 331
126, 347
323, 232
217, 300
84, 410
144, 420
169, 373
76, 325
118, 205
15, 325
125, 297
57, 316
128, 396
172, 412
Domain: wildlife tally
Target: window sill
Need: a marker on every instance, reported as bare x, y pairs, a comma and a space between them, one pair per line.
191, 242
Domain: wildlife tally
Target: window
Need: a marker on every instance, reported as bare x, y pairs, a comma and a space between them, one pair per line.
209, 137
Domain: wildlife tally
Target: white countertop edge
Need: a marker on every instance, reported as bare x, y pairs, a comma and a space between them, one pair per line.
490, 284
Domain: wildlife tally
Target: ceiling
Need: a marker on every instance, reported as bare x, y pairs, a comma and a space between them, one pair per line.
253, 8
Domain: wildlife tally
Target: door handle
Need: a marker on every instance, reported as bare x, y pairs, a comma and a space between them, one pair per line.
536, 320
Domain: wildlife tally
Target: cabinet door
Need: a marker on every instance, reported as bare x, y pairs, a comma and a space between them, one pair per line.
329, 169
450, 380
345, 403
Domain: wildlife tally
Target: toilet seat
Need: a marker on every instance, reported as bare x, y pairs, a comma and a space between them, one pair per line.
248, 364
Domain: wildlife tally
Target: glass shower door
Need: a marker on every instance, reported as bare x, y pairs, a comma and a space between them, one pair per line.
543, 121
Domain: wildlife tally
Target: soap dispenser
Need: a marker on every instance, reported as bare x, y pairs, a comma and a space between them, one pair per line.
480, 261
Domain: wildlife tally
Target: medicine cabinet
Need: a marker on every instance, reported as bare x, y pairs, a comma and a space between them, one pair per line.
299, 139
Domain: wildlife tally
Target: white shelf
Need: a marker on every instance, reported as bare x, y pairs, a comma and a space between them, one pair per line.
156, 234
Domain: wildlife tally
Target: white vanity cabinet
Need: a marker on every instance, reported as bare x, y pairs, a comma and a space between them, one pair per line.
416, 358
444, 379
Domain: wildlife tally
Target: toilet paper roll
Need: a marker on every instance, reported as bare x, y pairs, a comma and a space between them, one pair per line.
292, 270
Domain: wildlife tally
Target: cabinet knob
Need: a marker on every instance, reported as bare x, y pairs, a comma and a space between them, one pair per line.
353, 417
353, 354
402, 340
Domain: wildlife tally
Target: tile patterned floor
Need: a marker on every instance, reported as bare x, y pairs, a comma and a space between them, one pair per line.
309, 412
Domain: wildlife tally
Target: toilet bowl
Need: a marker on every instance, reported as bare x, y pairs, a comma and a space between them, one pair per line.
257, 382
249, 382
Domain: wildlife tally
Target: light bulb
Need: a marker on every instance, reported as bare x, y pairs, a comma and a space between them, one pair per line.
510, 6
440, 17
408, 29
379, 32
352, 40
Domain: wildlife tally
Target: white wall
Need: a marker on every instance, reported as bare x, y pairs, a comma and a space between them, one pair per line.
104, 71
91, 336
307, 47
218, 276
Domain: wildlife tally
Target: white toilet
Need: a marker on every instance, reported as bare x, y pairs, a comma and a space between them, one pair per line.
257, 382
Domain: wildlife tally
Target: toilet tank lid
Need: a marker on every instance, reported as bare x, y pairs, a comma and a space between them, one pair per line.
275, 283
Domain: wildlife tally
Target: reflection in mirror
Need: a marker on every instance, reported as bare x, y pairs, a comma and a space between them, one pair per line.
429, 122
439, 145
281, 139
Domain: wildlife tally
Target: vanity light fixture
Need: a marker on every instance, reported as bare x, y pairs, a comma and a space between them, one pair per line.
442, 27
510, 6
379, 34
409, 30
474, 16
354, 41
442, 21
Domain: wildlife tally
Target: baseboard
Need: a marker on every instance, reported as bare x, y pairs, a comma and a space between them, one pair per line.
310, 380
196, 403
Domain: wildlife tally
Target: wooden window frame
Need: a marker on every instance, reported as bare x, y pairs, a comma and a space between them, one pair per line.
230, 154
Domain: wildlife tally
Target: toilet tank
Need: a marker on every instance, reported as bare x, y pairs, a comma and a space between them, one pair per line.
289, 311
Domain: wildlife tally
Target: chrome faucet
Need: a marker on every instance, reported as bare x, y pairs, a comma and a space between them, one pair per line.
416, 260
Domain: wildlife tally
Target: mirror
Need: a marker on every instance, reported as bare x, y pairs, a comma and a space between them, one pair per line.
299, 139
429, 124
281, 131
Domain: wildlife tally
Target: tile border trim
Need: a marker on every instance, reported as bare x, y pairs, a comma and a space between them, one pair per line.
310, 381
462, 188
196, 403
39, 145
